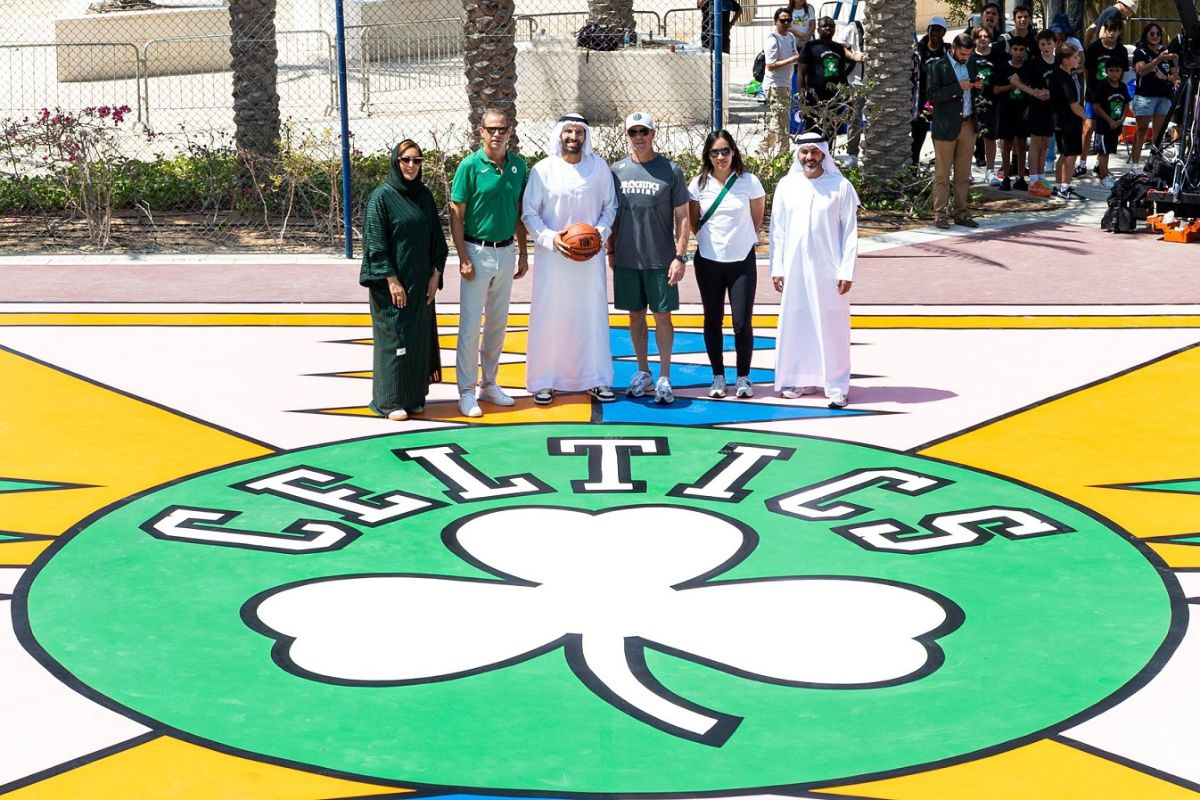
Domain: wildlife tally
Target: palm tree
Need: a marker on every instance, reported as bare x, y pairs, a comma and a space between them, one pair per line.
612, 13
888, 28
255, 100
490, 57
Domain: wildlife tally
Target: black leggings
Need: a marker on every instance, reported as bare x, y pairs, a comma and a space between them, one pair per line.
739, 279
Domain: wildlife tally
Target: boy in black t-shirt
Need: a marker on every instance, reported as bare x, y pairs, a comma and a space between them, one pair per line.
1096, 58
1066, 101
1110, 100
1014, 107
1033, 80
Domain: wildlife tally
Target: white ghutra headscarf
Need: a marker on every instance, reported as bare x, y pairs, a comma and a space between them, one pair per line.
828, 164
554, 146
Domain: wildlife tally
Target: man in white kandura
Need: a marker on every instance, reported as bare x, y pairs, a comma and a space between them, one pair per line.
814, 246
568, 347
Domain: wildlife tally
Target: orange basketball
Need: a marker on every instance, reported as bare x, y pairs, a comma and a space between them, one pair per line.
582, 240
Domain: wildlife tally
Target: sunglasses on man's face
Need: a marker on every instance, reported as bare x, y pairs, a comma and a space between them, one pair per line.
638, 131
720, 152
411, 159
495, 130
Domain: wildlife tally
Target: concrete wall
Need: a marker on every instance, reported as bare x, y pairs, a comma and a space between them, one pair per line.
605, 86
100, 62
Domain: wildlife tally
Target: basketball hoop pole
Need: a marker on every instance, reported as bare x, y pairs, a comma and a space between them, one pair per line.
718, 55
344, 121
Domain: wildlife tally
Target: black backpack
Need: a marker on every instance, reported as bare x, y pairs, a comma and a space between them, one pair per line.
1126, 203
759, 70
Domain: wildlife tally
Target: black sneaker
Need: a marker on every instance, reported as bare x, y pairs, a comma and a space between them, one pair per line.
1096, 169
1006, 185
1020, 185
1080, 171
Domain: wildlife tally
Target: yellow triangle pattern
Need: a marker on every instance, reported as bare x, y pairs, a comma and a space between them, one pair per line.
1044, 770
56, 427
1078, 444
170, 769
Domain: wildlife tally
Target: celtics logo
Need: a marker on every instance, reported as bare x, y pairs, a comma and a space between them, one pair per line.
627, 609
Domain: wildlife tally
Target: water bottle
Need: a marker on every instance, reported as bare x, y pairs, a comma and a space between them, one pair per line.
627, 37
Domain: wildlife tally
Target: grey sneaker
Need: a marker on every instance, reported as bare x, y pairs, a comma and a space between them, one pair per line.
838, 399
718, 386
495, 395
744, 389
468, 406
662, 391
638, 385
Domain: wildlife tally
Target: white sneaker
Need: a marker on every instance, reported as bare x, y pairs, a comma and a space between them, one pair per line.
495, 395
744, 389
468, 406
990, 179
792, 392
399, 415
638, 384
662, 391
718, 386
1108, 181
838, 399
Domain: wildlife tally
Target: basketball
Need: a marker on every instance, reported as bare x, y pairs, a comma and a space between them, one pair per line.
582, 240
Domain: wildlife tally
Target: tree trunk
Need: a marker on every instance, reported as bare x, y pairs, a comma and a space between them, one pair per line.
886, 141
254, 54
612, 13
490, 58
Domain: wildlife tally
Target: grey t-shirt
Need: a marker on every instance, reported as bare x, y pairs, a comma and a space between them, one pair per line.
647, 195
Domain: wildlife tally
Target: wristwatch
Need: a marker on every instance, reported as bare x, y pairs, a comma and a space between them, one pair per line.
682, 258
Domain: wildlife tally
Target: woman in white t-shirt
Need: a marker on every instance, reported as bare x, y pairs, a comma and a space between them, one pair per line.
726, 208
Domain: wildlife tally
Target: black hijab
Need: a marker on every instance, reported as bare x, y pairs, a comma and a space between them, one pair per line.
396, 179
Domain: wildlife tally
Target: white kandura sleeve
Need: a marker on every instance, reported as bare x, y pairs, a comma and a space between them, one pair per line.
531, 205
849, 215
779, 212
608, 212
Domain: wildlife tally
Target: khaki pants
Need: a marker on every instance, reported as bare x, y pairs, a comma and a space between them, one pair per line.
957, 154
779, 107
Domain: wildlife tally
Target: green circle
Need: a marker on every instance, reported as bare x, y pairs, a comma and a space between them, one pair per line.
1044, 627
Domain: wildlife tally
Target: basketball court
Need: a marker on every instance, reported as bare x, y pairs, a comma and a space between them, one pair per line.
222, 577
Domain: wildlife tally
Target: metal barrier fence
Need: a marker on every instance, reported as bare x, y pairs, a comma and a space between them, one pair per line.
69, 75
185, 188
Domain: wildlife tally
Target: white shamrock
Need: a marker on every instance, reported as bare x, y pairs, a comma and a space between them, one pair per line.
605, 586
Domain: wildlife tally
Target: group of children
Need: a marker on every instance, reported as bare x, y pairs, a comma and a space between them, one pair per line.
1041, 85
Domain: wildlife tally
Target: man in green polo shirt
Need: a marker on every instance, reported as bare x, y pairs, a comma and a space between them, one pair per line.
485, 215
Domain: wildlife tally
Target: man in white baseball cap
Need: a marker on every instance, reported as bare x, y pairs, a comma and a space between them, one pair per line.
648, 250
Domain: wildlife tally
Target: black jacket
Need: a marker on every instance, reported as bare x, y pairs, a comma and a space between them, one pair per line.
946, 96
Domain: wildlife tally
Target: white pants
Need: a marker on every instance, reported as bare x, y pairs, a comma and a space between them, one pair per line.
483, 299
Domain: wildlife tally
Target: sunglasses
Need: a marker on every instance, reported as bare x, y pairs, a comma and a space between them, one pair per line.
1152, 33
788, 20
496, 130
411, 159
720, 152
638, 131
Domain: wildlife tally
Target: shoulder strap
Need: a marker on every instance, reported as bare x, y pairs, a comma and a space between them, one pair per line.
724, 191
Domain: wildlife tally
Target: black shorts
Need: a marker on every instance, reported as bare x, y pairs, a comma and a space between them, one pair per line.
1069, 141
1040, 121
989, 122
1013, 124
1105, 140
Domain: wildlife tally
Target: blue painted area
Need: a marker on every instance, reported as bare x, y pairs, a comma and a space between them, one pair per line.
702, 411
685, 342
686, 375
